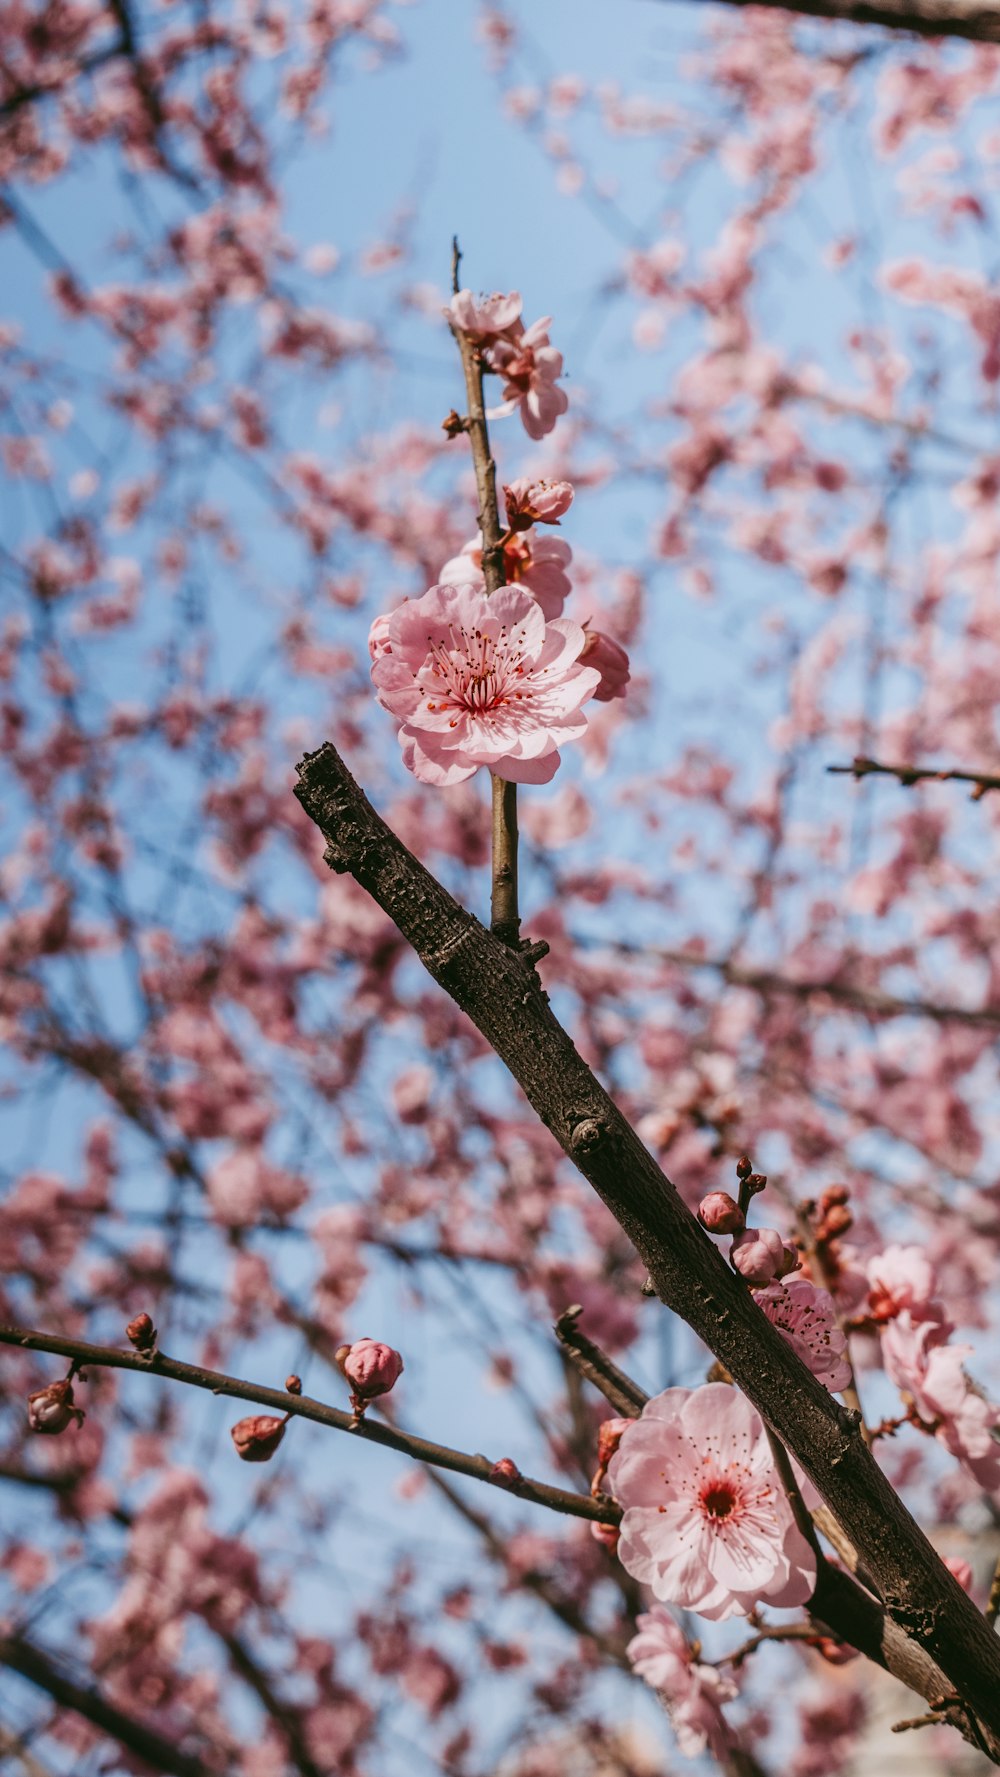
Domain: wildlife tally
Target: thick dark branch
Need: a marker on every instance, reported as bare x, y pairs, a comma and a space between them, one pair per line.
40, 1670
499, 990
927, 18
478, 1468
908, 775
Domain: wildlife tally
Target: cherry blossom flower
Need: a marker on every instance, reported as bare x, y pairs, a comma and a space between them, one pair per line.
476, 681
806, 1317
919, 1360
484, 317
539, 564
530, 366
901, 1277
536, 502
692, 1692
706, 1522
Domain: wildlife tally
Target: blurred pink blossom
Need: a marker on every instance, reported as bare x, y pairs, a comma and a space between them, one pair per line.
692, 1692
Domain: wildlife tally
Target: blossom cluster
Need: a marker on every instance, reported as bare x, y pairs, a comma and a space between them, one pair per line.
521, 355
918, 1357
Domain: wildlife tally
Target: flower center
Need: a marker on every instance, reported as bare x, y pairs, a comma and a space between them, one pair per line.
718, 1500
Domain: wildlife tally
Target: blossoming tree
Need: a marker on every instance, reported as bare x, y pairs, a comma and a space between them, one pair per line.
596, 1447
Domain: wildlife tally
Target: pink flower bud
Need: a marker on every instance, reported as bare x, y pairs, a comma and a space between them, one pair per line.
760, 1255
609, 1436
51, 1409
835, 1653
258, 1437
293, 1384
371, 1369
961, 1570
721, 1214
608, 1534
505, 1473
611, 662
141, 1333
536, 502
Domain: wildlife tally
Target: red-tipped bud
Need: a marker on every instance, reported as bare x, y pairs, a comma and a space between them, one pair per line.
834, 1194
258, 1437
293, 1384
141, 1333
607, 1534
51, 1409
721, 1214
505, 1473
609, 1436
536, 502
371, 1369
744, 1167
836, 1220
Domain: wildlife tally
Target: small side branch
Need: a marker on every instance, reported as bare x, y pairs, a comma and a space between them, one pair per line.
908, 775
478, 1468
621, 1393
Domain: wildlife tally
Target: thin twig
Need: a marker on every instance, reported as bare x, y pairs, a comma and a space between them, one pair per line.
624, 1395
505, 920
478, 1468
908, 775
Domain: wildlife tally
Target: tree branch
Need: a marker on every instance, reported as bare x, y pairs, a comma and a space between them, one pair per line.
498, 989
926, 18
36, 1666
908, 775
478, 1468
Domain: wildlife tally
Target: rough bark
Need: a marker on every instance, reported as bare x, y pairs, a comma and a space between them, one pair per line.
500, 992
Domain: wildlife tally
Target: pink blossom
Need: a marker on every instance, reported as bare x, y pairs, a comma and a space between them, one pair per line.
483, 681
961, 1570
257, 1438
536, 502
370, 1367
706, 1523
721, 1214
530, 366
901, 1277
760, 1255
806, 1317
484, 317
919, 1360
692, 1692
611, 662
539, 564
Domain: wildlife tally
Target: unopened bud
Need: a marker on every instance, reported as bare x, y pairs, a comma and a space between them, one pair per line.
505, 1473
834, 1194
760, 1255
744, 1167
607, 1534
258, 1437
609, 1435
453, 425
371, 1369
835, 1653
836, 1220
141, 1333
293, 1384
721, 1214
51, 1409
